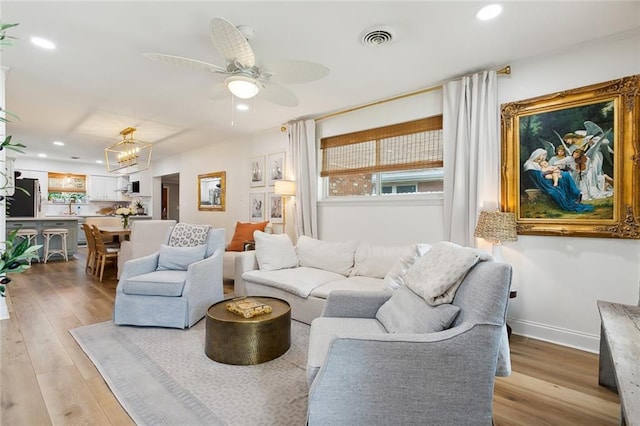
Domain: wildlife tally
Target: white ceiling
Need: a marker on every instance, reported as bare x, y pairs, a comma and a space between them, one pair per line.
97, 82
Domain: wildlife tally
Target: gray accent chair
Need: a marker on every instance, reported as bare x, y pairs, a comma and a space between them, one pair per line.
146, 296
359, 374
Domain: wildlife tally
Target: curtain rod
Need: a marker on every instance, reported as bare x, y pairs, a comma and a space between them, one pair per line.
506, 71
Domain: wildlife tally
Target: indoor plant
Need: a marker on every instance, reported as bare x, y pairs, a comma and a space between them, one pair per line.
138, 204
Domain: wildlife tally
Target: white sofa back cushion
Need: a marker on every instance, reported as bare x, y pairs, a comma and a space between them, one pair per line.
274, 251
375, 261
328, 255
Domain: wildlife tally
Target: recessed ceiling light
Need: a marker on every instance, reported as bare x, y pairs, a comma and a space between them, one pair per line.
59, 143
42, 155
99, 161
43, 42
489, 12
242, 107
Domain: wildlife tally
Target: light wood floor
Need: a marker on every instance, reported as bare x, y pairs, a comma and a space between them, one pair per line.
47, 379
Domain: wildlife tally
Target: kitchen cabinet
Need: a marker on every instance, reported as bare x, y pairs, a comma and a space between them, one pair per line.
105, 188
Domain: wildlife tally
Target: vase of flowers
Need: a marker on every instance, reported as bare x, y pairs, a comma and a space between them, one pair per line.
124, 213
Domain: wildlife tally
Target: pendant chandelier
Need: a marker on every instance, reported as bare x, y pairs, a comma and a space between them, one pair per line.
128, 155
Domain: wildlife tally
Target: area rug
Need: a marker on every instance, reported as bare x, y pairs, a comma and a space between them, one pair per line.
163, 377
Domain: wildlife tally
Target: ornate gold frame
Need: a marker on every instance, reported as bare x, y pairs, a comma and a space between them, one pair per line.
208, 196
625, 223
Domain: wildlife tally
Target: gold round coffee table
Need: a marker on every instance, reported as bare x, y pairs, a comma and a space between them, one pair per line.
233, 339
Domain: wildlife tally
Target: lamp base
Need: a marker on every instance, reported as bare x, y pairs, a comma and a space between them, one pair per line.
496, 251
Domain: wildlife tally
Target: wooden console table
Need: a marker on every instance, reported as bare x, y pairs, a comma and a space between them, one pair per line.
619, 354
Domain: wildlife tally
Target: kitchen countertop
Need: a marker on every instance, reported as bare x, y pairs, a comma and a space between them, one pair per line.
33, 219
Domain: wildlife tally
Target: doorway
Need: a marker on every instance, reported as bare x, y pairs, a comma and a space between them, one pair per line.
170, 197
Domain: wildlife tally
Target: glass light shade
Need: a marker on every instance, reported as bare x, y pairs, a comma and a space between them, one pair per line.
242, 87
285, 187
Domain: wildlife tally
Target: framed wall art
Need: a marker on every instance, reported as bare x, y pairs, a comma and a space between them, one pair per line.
571, 161
275, 206
257, 206
211, 191
275, 168
257, 171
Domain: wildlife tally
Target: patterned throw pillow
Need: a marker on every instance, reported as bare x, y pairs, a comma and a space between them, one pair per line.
187, 235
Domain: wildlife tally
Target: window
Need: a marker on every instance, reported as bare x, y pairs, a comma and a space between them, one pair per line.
398, 159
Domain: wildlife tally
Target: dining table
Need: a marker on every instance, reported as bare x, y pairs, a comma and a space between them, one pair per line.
118, 233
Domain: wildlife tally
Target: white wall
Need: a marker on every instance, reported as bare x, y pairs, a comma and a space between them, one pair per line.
559, 279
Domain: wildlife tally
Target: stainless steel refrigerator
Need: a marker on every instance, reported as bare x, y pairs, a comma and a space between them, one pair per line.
22, 204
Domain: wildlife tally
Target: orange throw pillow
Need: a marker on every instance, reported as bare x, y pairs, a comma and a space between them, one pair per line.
244, 233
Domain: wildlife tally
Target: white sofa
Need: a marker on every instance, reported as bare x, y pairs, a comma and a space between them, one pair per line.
306, 274
146, 238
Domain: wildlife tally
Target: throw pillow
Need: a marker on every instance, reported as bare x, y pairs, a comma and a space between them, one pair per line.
406, 312
333, 256
395, 277
375, 261
244, 233
179, 258
437, 275
274, 251
188, 235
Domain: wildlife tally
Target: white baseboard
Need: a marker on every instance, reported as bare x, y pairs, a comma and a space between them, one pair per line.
560, 336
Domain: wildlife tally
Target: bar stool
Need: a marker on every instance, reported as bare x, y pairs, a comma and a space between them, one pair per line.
31, 235
48, 234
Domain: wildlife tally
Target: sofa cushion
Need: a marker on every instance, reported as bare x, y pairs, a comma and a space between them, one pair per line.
157, 283
328, 255
244, 233
325, 329
395, 277
299, 281
274, 251
406, 312
179, 258
437, 275
188, 235
376, 260
351, 283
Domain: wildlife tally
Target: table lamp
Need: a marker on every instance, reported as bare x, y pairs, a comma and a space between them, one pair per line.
496, 227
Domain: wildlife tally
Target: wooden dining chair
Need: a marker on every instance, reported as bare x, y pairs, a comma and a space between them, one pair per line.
91, 249
103, 253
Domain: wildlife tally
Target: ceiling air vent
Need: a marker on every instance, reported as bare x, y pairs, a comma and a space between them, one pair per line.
377, 36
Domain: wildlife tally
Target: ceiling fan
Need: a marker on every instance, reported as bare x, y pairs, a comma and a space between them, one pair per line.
244, 78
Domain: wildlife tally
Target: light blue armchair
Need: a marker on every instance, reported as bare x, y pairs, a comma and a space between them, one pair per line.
167, 289
360, 374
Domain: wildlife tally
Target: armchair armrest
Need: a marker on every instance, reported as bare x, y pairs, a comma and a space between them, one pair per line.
355, 304
445, 377
139, 266
201, 279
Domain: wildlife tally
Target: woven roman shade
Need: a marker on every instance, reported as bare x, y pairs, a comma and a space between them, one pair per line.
404, 146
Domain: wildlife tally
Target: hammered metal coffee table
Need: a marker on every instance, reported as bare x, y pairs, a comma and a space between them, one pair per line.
232, 339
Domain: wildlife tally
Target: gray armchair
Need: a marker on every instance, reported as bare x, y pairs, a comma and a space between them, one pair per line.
149, 295
360, 374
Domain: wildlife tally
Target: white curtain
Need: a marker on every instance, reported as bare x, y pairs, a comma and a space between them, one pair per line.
302, 152
471, 148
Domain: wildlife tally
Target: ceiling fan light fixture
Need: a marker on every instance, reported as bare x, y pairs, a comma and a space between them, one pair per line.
242, 87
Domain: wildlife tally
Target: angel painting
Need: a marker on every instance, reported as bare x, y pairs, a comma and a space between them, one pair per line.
574, 171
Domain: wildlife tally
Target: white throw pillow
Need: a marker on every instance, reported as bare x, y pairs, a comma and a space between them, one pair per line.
376, 261
327, 255
179, 258
395, 277
274, 251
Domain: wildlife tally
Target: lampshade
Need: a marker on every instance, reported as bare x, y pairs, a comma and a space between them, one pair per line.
285, 187
496, 227
129, 155
242, 87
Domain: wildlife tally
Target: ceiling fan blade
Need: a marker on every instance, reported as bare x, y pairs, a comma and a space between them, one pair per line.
292, 72
192, 64
279, 95
231, 43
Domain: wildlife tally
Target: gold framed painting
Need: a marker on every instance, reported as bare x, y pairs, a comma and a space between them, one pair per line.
211, 191
571, 161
